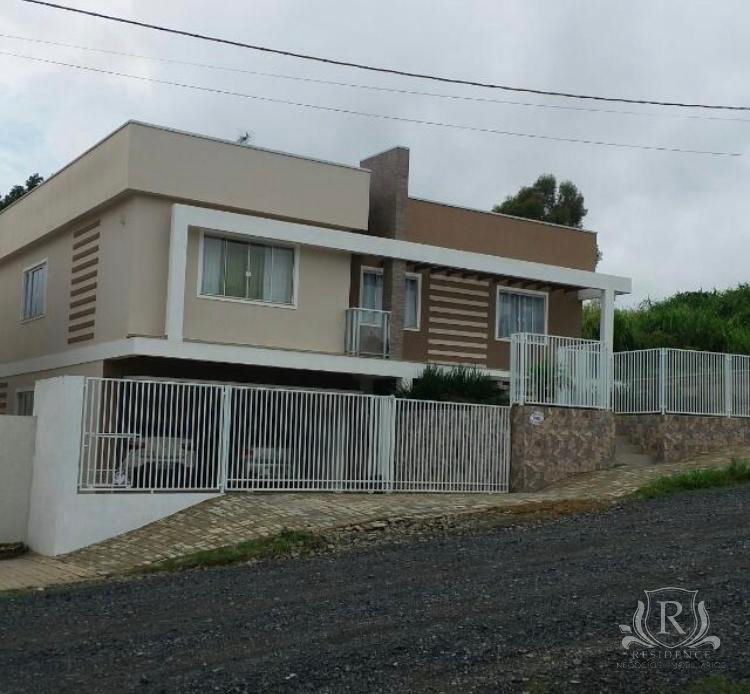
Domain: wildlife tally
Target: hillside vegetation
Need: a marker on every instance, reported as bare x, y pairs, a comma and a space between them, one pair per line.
716, 321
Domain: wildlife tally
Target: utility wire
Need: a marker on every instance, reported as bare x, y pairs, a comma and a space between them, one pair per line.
377, 88
373, 68
363, 114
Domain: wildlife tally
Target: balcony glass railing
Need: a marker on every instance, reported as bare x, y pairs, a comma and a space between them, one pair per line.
368, 332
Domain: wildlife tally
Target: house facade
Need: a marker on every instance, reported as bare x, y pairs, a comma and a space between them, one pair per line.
164, 254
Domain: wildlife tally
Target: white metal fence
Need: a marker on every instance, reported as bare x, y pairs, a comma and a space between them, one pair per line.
450, 447
563, 371
679, 381
166, 436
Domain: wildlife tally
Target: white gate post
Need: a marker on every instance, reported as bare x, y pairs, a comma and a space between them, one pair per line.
386, 440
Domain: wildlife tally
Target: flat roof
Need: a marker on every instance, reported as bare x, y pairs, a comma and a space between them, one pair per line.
187, 133
501, 214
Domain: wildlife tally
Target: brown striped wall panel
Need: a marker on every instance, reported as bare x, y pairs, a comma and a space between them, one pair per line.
84, 278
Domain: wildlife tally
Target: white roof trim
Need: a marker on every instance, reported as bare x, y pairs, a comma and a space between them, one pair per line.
304, 234
186, 216
228, 354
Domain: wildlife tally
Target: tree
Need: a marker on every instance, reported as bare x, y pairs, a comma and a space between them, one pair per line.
714, 321
547, 202
18, 191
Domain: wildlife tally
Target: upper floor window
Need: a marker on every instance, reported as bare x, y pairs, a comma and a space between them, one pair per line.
34, 291
372, 289
411, 310
520, 312
250, 271
371, 295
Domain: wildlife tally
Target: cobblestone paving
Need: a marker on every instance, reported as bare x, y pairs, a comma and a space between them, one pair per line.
242, 516
35, 571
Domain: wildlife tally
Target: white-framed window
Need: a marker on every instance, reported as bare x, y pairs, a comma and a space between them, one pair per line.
520, 311
248, 271
413, 300
371, 294
371, 289
33, 301
25, 403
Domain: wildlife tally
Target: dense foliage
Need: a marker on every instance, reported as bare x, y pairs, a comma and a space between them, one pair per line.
716, 321
457, 384
19, 191
547, 202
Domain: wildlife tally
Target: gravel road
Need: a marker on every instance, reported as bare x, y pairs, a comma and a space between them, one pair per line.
534, 608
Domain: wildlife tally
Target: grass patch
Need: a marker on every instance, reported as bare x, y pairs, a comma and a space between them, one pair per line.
737, 472
719, 684
286, 543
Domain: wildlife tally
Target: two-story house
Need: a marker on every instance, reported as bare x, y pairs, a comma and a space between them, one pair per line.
172, 255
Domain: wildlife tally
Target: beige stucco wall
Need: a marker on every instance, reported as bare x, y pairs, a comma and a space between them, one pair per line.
129, 181
86, 183
148, 222
316, 324
49, 333
231, 176
28, 380
190, 169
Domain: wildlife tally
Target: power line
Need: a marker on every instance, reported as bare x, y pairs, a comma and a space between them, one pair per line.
373, 68
363, 114
355, 85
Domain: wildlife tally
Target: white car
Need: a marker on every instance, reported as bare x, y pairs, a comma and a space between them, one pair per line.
262, 463
156, 461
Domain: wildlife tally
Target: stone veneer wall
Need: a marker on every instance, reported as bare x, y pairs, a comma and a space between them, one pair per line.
674, 437
566, 442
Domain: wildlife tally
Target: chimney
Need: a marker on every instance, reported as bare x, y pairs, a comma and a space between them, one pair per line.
389, 192
389, 195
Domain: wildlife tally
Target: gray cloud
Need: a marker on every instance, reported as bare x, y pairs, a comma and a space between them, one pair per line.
672, 222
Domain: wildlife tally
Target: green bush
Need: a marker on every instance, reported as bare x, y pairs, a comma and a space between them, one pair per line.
716, 321
456, 384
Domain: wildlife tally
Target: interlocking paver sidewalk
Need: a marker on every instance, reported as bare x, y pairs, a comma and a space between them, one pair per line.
240, 516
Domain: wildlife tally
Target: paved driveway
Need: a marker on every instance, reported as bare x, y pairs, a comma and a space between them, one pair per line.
527, 608
240, 516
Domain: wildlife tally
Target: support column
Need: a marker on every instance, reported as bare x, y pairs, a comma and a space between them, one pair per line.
607, 317
607, 335
394, 300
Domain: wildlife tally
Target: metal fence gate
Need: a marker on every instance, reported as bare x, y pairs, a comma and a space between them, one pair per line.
559, 371
172, 436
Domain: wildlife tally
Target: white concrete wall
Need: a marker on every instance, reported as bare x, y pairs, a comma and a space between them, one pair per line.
16, 459
61, 519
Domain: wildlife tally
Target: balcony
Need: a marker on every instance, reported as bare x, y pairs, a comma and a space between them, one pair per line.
368, 332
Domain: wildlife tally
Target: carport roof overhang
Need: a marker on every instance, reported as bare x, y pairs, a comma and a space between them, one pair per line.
185, 217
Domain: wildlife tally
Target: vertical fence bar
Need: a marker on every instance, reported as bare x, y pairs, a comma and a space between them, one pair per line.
728, 385
225, 429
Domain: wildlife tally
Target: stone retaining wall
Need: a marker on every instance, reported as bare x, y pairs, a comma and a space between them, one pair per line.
549, 444
671, 438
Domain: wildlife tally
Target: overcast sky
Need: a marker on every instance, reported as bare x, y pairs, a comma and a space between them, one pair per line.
670, 221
